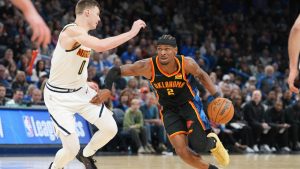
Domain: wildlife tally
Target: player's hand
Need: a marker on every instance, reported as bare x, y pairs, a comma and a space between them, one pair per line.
94, 86
40, 31
136, 27
101, 97
292, 76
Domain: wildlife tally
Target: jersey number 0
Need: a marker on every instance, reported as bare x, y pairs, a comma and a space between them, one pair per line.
81, 67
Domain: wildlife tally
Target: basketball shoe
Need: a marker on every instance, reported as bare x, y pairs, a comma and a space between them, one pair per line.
219, 152
88, 162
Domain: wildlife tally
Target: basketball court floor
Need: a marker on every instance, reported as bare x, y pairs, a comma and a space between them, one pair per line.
157, 162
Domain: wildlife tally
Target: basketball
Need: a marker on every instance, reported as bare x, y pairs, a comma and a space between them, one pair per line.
220, 111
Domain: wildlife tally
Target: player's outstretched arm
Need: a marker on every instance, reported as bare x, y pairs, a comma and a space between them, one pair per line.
139, 68
294, 49
40, 31
101, 45
190, 66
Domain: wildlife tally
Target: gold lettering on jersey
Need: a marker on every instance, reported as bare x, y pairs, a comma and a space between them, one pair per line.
178, 76
169, 84
84, 53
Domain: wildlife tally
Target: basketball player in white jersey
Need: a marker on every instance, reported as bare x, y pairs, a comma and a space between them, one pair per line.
67, 91
294, 50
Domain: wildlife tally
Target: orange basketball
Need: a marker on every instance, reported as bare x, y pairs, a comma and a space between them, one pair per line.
220, 111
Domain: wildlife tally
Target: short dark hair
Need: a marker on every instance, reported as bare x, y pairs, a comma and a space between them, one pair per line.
167, 40
83, 4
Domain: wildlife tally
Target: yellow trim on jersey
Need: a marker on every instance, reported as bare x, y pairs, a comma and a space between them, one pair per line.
184, 77
153, 71
167, 74
197, 114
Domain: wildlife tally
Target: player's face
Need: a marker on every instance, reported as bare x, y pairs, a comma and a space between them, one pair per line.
166, 53
93, 17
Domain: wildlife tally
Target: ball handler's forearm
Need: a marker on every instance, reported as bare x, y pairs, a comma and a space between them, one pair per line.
207, 82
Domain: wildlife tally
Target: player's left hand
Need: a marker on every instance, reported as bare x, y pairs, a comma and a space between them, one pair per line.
292, 76
94, 86
101, 97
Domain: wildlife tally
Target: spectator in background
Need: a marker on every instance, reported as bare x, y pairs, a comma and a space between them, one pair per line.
128, 56
39, 67
242, 130
134, 124
23, 63
8, 58
17, 100
287, 98
153, 123
99, 61
254, 112
3, 77
93, 76
271, 99
187, 49
3, 99
268, 81
42, 79
226, 86
3, 37
36, 99
292, 114
20, 82
276, 118
28, 95
12, 72
124, 100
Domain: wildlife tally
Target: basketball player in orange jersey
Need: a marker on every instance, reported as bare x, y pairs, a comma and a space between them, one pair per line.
40, 31
67, 91
294, 50
173, 78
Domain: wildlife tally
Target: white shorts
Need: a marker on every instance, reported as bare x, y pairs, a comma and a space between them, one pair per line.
62, 105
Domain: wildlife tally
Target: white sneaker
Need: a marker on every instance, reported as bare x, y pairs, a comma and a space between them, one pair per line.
255, 148
249, 150
167, 153
273, 149
286, 149
141, 150
265, 148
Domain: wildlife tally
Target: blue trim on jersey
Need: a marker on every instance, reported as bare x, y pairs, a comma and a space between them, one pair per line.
203, 116
198, 103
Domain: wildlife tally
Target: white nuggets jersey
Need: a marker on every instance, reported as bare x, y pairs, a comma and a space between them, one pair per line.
69, 67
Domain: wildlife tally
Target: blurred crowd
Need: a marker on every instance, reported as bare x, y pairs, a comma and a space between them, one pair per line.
242, 45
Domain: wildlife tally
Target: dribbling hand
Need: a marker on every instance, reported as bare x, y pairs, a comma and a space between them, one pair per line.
101, 97
136, 27
292, 76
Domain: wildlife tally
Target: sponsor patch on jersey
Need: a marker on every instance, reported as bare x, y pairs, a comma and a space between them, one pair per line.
178, 76
84, 53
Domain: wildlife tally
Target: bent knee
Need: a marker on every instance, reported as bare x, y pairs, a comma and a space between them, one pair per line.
111, 130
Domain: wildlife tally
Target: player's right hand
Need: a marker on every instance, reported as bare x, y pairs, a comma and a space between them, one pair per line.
40, 31
101, 97
136, 27
292, 76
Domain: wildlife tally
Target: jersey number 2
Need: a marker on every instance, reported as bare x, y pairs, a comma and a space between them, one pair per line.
81, 67
170, 92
